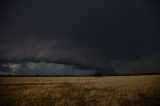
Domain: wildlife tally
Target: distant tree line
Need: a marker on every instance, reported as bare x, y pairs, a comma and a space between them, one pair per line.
97, 74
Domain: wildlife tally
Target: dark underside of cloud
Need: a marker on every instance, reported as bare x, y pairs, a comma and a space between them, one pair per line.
94, 35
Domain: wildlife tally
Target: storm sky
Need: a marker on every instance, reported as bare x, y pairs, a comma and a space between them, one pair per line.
79, 36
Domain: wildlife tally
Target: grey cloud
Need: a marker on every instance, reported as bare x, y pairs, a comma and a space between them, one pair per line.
42, 68
146, 64
50, 49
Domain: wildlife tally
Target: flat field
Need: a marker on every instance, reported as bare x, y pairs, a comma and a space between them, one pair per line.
80, 91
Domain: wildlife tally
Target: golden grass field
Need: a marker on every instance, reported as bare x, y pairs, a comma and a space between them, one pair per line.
80, 91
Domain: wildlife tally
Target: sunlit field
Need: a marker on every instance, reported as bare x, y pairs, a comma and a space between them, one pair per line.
80, 91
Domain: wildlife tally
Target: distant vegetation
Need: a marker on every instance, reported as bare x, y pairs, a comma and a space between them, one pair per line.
80, 91
97, 74
94, 74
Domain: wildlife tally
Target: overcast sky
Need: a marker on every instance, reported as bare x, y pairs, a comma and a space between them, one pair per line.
83, 36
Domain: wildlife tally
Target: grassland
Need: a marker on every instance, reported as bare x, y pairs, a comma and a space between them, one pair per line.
80, 91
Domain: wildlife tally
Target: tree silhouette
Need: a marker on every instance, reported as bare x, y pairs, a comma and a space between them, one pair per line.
97, 74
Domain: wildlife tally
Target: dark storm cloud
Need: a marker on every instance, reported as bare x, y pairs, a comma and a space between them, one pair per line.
146, 64
42, 68
90, 34
50, 49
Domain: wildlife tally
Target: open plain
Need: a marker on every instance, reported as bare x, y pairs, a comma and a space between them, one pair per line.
80, 91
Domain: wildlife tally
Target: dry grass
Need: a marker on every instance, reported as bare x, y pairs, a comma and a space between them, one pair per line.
80, 91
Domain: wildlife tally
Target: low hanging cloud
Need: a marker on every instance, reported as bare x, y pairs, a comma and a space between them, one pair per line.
51, 49
12, 67
144, 65
43, 68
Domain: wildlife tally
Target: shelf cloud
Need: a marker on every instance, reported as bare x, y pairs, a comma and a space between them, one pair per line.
109, 36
